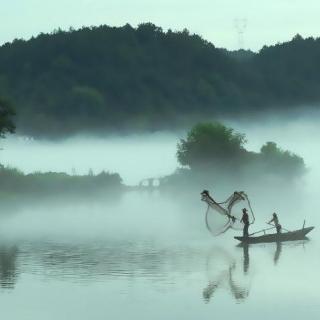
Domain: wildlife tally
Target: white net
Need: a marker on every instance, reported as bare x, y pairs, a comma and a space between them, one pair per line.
222, 216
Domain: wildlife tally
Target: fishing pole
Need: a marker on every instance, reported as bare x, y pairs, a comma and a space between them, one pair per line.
263, 230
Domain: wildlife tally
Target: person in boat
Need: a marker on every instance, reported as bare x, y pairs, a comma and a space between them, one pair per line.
205, 193
275, 221
245, 221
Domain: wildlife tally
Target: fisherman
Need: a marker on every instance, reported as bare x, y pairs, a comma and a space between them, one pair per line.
275, 221
245, 221
205, 193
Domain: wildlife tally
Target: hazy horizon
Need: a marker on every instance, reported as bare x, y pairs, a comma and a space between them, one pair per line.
151, 155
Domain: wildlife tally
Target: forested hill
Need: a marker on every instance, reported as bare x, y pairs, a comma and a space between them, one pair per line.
146, 79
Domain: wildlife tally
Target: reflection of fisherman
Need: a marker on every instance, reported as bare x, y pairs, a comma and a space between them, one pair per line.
277, 253
205, 193
275, 221
245, 221
246, 257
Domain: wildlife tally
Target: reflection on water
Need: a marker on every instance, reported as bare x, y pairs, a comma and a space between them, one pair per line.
277, 253
96, 261
8, 269
101, 261
246, 256
223, 272
142, 271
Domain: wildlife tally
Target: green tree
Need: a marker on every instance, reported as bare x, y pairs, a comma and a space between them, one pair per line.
215, 149
6, 114
279, 161
210, 144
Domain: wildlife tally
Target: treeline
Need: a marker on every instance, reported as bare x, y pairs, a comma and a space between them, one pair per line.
108, 78
55, 184
213, 153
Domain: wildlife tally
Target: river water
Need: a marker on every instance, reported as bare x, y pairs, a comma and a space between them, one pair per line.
149, 256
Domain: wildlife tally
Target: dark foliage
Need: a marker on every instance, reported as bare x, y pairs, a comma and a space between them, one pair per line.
6, 114
216, 150
210, 144
107, 78
13, 181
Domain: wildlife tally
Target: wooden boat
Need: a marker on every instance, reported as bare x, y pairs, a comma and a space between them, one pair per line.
275, 237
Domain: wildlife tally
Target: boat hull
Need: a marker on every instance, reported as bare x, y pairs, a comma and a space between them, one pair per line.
287, 236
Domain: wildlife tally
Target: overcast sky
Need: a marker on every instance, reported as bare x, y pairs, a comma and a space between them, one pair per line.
268, 22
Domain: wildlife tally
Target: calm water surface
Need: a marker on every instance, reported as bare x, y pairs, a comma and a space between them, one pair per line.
114, 266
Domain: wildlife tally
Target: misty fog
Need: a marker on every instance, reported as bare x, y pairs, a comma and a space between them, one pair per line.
144, 245
151, 214
133, 157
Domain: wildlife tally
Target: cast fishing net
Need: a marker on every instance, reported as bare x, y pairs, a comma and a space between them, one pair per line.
225, 215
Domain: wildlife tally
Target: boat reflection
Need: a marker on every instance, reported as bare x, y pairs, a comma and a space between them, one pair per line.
226, 272
246, 257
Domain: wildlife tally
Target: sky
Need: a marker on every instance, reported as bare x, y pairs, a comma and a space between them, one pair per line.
267, 22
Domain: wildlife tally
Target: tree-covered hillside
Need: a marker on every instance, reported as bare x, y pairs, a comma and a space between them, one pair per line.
144, 79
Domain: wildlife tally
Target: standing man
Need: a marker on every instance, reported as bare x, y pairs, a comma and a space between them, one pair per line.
245, 221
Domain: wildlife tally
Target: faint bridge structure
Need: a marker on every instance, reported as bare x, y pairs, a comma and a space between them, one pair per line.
149, 183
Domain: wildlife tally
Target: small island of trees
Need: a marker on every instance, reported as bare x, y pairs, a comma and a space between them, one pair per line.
214, 152
14, 182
